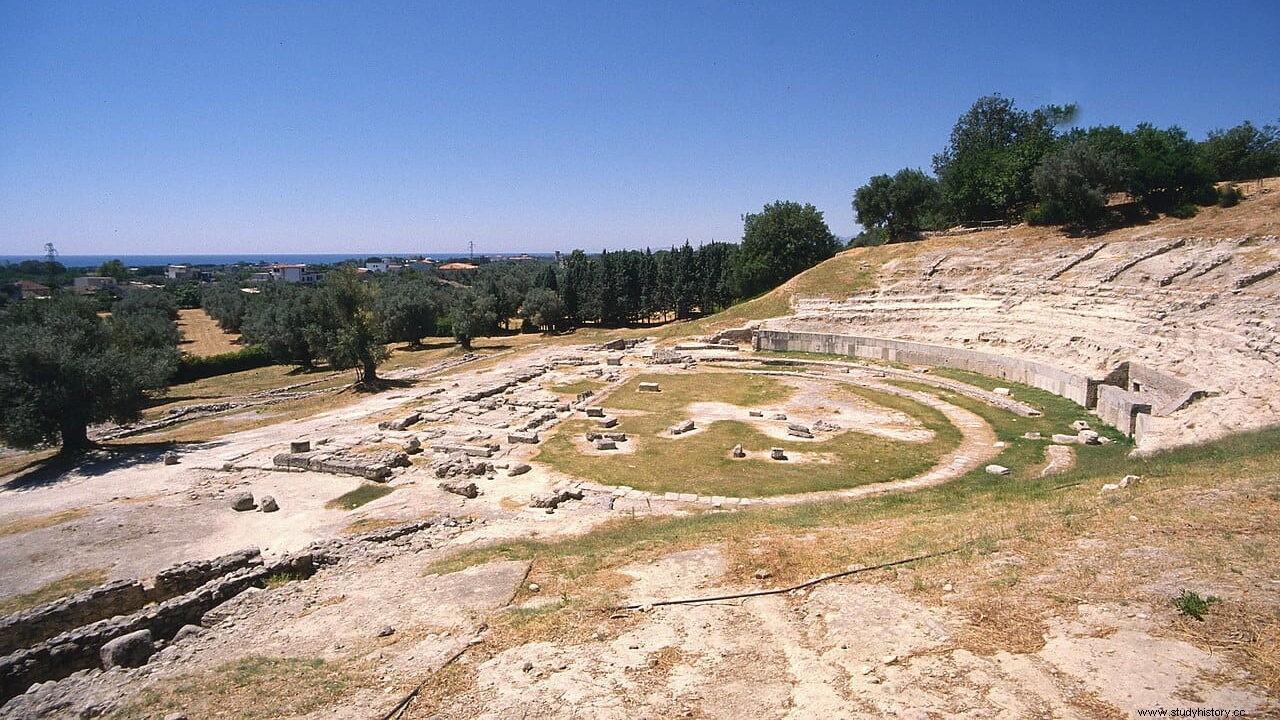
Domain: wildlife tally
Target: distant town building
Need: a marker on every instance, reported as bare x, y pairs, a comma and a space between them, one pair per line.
28, 289
90, 284
457, 266
377, 267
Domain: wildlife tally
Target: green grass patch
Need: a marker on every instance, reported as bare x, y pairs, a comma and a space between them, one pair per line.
251, 687
700, 463
1021, 455
366, 493
574, 388
63, 586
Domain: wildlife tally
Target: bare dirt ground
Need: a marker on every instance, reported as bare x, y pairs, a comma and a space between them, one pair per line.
201, 336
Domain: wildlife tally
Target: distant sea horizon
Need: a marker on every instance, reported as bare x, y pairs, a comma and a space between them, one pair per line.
84, 261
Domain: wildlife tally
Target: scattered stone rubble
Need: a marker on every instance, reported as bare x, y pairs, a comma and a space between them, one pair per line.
670, 357
461, 487
800, 431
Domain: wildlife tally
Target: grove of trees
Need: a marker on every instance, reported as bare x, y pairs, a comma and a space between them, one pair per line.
63, 367
348, 319
1004, 163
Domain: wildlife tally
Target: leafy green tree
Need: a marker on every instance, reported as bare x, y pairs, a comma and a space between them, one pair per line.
226, 303
1167, 169
543, 308
113, 269
62, 368
145, 319
985, 170
1244, 152
783, 239
902, 205
282, 319
472, 316
1073, 183
185, 294
347, 332
408, 309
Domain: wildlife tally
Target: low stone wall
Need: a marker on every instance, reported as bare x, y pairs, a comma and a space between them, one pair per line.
29, 627
1124, 397
1072, 386
80, 649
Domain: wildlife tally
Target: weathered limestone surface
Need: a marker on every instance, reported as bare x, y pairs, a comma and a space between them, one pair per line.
1196, 311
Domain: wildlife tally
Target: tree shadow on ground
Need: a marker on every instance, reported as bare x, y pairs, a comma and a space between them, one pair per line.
92, 462
380, 385
440, 344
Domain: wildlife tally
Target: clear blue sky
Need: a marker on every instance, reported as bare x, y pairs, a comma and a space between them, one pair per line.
276, 126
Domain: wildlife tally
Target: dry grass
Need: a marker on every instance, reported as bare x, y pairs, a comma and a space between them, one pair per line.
27, 524
201, 336
15, 461
997, 623
63, 586
251, 687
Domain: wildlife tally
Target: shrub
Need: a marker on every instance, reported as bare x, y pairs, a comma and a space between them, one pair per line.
1191, 604
1183, 211
1229, 196
194, 368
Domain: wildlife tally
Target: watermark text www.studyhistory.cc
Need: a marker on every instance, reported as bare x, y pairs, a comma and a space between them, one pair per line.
1189, 712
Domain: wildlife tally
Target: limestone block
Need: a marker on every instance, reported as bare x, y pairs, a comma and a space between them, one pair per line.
242, 501
129, 650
